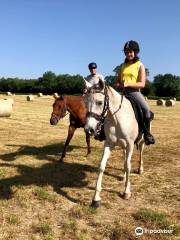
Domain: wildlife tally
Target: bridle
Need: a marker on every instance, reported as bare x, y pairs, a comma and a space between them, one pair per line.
63, 111
100, 117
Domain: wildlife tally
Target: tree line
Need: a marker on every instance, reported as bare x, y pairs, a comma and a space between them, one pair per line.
166, 85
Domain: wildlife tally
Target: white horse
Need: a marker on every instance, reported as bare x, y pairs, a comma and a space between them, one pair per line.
106, 106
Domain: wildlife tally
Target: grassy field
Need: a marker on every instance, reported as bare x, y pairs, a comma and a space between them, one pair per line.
41, 198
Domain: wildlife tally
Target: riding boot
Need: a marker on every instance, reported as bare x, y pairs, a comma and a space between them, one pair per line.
148, 137
100, 134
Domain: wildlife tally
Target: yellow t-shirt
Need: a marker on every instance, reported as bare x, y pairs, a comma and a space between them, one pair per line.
128, 72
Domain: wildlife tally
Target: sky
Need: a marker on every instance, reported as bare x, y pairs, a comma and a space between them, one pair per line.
64, 36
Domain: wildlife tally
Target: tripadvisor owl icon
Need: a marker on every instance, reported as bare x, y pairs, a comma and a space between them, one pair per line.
139, 231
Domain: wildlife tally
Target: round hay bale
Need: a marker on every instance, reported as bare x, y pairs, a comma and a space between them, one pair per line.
55, 95
170, 103
40, 94
5, 108
9, 94
160, 102
11, 100
30, 98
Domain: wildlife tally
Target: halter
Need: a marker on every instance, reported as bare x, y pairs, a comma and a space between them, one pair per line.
58, 117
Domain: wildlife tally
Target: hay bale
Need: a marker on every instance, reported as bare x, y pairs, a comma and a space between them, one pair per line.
170, 103
11, 100
9, 94
5, 108
40, 94
55, 95
30, 98
160, 102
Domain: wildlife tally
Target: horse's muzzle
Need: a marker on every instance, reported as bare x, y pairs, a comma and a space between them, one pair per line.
54, 120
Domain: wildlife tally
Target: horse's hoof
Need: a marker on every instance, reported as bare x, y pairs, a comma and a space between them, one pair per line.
96, 204
126, 196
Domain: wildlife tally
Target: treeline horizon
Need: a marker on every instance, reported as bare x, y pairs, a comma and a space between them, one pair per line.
166, 85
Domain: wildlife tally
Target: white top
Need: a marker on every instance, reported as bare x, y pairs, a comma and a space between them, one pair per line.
94, 78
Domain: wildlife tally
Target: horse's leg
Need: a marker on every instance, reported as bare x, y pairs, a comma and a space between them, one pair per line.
88, 143
129, 151
141, 148
71, 131
124, 176
97, 199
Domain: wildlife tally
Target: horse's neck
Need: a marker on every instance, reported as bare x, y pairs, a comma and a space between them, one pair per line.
69, 103
72, 104
117, 100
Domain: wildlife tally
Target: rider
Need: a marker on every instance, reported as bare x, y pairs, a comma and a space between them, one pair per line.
132, 78
94, 76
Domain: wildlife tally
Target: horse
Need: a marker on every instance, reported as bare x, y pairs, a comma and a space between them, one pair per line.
75, 105
107, 108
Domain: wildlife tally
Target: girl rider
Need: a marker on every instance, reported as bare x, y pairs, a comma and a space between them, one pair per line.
132, 77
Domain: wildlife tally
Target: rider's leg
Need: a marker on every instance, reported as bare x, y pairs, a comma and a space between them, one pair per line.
139, 98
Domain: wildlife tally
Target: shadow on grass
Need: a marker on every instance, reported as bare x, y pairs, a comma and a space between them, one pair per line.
58, 175
41, 153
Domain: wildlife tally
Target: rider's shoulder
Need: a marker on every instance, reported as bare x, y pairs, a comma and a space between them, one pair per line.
100, 76
88, 77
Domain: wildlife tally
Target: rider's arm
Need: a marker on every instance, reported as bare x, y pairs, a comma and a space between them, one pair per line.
101, 77
141, 79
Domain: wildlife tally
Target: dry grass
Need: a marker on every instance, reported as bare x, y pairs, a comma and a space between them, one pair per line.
41, 198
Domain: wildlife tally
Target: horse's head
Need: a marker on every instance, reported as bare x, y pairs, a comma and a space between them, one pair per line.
97, 104
59, 110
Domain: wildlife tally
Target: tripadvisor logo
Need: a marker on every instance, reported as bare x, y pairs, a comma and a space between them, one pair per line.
139, 231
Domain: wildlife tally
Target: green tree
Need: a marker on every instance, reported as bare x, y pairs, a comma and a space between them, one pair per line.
110, 80
167, 85
116, 70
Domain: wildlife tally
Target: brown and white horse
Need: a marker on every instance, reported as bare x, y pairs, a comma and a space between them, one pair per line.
76, 107
106, 106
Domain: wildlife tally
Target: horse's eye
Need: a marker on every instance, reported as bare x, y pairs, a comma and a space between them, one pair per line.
99, 103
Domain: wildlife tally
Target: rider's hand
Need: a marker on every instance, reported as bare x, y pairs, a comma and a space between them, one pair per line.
119, 85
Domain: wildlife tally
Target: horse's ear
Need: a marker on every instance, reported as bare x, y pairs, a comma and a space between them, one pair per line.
101, 84
87, 84
55, 96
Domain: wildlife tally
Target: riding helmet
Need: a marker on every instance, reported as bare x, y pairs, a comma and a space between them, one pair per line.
92, 65
132, 45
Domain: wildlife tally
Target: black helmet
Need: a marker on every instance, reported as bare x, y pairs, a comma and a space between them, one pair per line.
92, 65
132, 45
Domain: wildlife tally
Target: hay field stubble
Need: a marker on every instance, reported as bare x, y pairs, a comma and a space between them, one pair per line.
41, 198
